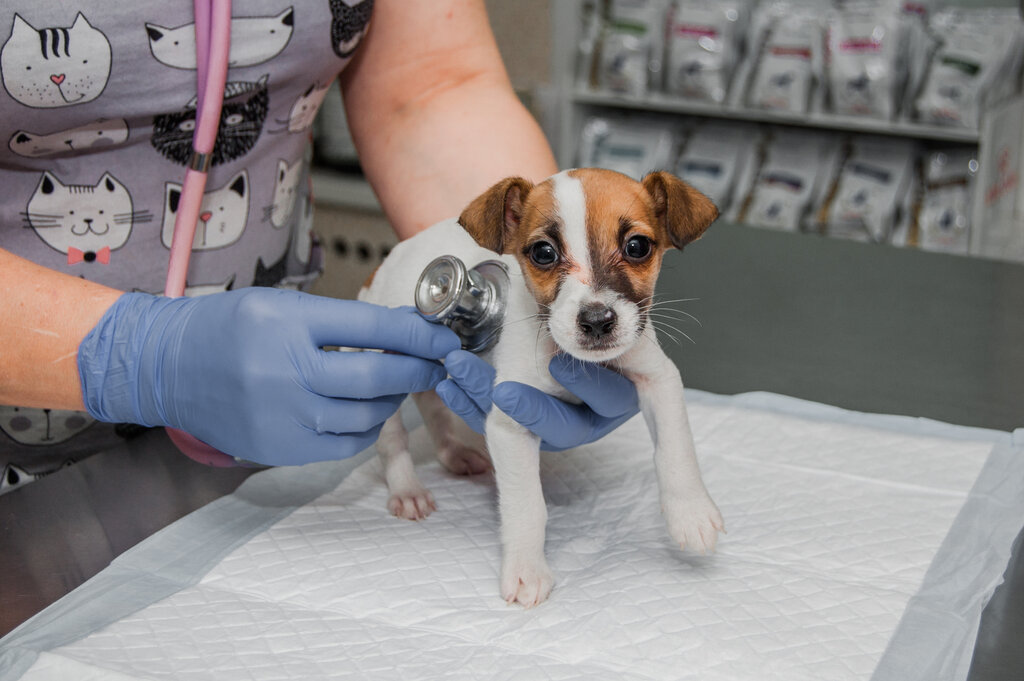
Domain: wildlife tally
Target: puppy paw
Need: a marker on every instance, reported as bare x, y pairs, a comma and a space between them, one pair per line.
415, 503
462, 460
527, 582
694, 523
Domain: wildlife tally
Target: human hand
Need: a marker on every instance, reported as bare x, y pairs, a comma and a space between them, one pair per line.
244, 371
609, 399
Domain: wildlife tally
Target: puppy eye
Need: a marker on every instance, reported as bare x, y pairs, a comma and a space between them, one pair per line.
637, 247
543, 254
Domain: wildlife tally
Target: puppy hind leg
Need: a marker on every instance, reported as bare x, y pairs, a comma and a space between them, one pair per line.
461, 450
408, 497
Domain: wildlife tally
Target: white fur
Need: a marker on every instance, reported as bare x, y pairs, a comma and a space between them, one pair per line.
571, 205
522, 354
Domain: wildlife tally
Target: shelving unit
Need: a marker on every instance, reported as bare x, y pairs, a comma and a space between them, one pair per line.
661, 103
998, 195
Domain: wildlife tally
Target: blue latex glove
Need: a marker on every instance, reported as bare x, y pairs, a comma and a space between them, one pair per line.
244, 370
609, 399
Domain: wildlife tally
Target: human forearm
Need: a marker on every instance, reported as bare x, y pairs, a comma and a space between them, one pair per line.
436, 122
45, 314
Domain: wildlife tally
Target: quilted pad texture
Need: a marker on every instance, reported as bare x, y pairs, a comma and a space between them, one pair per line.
832, 527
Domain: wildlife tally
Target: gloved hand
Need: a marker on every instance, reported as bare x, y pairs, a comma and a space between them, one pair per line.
244, 370
609, 399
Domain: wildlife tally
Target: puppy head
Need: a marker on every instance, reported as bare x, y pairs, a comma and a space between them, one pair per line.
590, 243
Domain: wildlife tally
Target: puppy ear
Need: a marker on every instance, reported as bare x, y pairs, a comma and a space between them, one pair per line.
681, 210
494, 215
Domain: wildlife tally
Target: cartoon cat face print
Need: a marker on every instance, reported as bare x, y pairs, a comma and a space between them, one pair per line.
305, 108
29, 426
254, 40
349, 21
86, 222
241, 121
12, 477
286, 188
99, 133
52, 67
222, 214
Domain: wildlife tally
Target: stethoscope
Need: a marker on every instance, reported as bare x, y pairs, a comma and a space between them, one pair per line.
469, 301
213, 43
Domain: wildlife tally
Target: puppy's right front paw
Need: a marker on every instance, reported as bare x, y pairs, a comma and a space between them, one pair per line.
527, 582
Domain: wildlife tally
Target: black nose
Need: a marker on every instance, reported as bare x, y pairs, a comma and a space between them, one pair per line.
596, 320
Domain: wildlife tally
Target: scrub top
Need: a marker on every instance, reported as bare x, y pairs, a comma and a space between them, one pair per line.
97, 110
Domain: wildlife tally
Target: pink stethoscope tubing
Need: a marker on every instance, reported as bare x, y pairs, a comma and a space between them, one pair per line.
213, 43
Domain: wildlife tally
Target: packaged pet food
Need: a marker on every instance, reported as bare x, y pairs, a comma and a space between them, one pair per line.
866, 65
632, 46
977, 64
591, 23
632, 146
704, 44
798, 166
873, 183
787, 59
715, 157
944, 219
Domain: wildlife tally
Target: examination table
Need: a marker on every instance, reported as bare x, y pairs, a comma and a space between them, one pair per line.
884, 335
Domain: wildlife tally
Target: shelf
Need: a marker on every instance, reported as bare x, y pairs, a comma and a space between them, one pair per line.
343, 190
667, 104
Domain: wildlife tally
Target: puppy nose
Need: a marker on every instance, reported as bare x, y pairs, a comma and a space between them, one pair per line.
596, 320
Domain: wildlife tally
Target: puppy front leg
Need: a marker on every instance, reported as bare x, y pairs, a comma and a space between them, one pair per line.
515, 454
693, 518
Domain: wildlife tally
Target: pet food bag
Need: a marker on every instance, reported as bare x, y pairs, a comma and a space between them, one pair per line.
798, 166
944, 220
976, 65
872, 185
704, 44
631, 145
787, 60
632, 47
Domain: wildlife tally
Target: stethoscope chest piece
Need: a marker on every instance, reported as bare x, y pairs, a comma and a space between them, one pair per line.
471, 302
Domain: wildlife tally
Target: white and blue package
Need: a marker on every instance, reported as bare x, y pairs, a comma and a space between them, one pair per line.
704, 44
714, 158
874, 179
944, 219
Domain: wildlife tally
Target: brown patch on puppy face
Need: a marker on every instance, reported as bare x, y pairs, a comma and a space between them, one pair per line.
540, 225
626, 245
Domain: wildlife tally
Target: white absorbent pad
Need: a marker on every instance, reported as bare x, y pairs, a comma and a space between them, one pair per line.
858, 547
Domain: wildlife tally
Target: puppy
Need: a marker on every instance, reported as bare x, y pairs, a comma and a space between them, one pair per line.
584, 249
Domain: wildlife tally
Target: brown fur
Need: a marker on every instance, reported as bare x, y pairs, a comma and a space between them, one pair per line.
514, 214
683, 212
494, 216
537, 225
618, 208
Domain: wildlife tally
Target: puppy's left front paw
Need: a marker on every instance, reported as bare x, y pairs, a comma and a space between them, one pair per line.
524, 581
694, 523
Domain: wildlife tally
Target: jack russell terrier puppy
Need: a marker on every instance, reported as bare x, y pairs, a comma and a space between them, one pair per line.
583, 249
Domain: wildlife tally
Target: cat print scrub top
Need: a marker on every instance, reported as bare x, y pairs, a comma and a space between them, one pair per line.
97, 109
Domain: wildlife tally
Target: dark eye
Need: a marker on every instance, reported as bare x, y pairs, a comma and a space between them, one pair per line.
543, 254
637, 248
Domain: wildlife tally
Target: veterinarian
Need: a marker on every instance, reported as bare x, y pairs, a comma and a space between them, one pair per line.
98, 106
